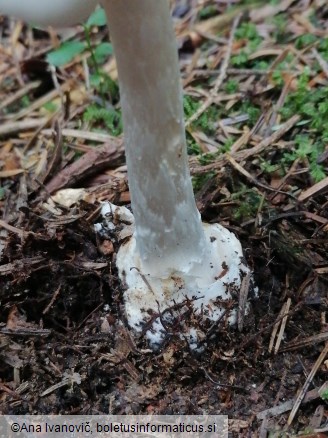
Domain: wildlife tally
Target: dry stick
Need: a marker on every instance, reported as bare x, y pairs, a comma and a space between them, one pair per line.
274, 332
306, 384
53, 299
323, 270
24, 125
316, 419
263, 330
246, 137
317, 189
286, 406
249, 71
318, 431
253, 180
264, 428
323, 64
84, 135
68, 380
244, 290
11, 268
56, 158
279, 103
25, 332
309, 341
19, 94
223, 385
14, 230
67, 86
223, 71
11, 172
283, 325
266, 142
285, 178
35, 135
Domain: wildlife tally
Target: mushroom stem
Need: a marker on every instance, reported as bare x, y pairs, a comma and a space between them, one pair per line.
173, 264
168, 229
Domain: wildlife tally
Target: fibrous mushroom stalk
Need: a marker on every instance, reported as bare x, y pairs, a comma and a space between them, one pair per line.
168, 224
172, 256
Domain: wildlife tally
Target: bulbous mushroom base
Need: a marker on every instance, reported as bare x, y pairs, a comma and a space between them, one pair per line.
184, 304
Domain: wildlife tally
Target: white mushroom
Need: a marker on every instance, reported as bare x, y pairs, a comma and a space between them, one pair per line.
175, 255
59, 13
172, 254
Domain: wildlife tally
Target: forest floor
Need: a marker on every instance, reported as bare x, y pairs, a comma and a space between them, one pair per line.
255, 80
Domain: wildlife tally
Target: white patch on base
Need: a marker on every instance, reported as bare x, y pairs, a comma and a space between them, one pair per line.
208, 293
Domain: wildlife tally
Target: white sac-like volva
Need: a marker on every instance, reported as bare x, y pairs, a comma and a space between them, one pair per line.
154, 301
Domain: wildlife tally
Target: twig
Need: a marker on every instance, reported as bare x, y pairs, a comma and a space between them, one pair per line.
253, 180
24, 125
56, 158
53, 299
263, 330
286, 406
68, 380
317, 189
19, 94
85, 135
283, 325
67, 86
323, 64
15, 230
268, 141
11, 268
306, 384
219, 384
25, 332
309, 341
244, 289
274, 332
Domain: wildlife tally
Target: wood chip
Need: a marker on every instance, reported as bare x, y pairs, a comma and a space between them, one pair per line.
317, 189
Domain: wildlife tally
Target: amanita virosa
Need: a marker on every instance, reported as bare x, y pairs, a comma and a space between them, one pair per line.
50, 13
173, 261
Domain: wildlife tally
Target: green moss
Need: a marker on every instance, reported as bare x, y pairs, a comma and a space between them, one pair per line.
248, 202
305, 40
112, 120
198, 181
231, 86
206, 121
207, 12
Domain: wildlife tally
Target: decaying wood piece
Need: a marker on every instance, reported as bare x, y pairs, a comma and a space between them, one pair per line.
111, 155
309, 341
